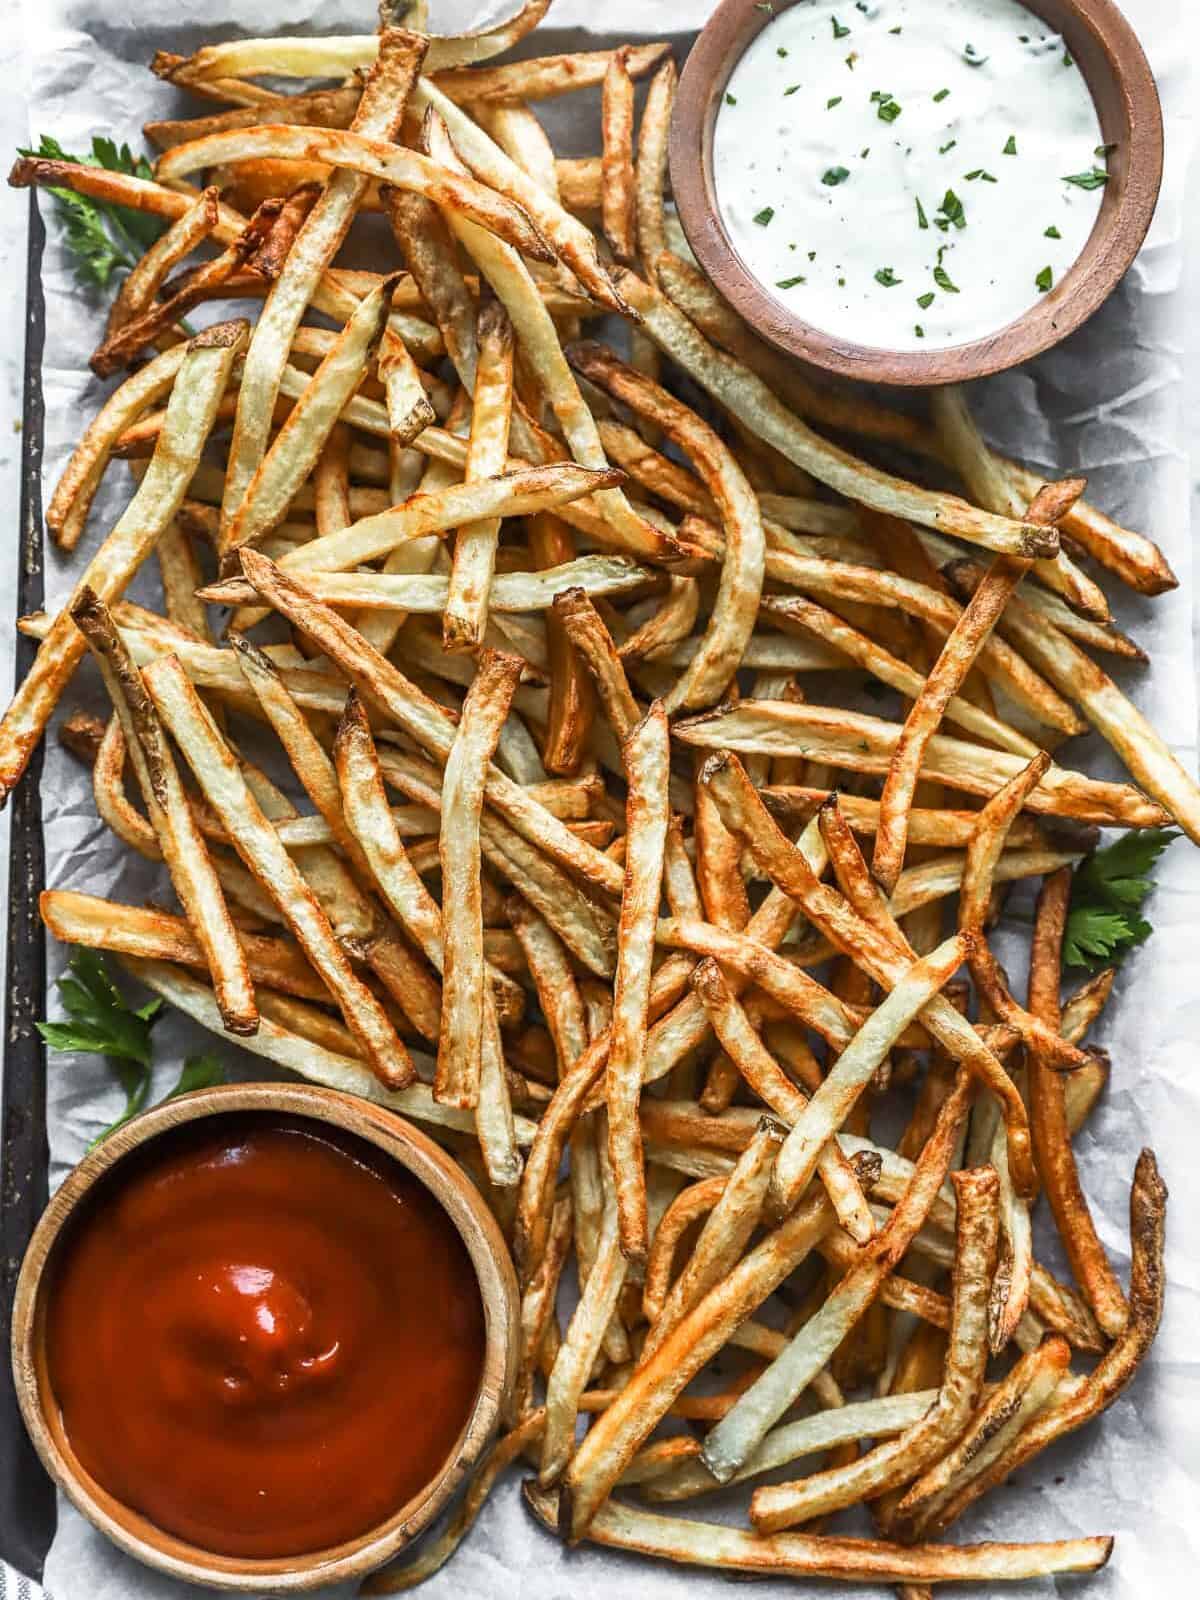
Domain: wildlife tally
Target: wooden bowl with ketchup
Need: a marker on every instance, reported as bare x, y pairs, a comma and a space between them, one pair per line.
262, 1334
1092, 38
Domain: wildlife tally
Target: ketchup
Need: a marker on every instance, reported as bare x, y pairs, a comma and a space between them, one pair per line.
263, 1335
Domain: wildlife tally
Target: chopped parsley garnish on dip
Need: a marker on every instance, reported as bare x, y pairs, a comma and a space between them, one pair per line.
946, 88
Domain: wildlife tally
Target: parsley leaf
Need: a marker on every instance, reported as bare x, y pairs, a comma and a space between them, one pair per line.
926, 300
941, 94
790, 283
1107, 894
101, 1022
100, 236
922, 219
199, 1072
835, 175
1052, 233
839, 29
1010, 148
1095, 179
887, 278
1045, 280
942, 278
764, 216
952, 209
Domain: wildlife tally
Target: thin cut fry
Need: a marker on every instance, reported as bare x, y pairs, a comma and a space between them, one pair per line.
944, 680
466, 607
180, 841
1048, 1121
202, 376
647, 762
225, 787
463, 979
619, 198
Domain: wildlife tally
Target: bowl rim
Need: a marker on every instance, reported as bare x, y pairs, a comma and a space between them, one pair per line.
467, 1210
1101, 34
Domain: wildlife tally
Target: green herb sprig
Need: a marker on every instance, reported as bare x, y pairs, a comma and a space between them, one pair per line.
1104, 922
101, 237
101, 1022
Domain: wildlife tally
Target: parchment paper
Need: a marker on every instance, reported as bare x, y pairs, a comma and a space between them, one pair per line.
1107, 403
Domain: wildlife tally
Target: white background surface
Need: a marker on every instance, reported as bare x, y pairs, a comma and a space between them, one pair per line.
560, 1575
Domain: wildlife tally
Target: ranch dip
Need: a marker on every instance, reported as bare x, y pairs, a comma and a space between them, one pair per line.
908, 174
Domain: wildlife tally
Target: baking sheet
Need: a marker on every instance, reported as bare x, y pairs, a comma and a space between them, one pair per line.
1107, 403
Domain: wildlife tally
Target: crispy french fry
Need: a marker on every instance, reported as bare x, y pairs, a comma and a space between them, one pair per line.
225, 787
736, 605
647, 761
619, 198
466, 607
201, 378
463, 980
945, 678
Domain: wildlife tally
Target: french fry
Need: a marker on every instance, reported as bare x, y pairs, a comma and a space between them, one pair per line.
619, 198
145, 278
651, 176
545, 77
854, 1069
749, 399
422, 718
1116, 719
865, 744
736, 605
201, 378
1021, 1395
1072, 1408
924, 1441
466, 608
572, 699
1048, 1121
581, 1346
302, 57
991, 488
945, 678
647, 758
225, 787
298, 444
772, 1085
154, 936
615, 1438
792, 1555
179, 839
463, 980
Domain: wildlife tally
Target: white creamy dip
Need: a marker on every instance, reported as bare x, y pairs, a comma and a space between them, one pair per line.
908, 174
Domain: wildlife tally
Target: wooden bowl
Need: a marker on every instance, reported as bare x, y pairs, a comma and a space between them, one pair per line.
133, 1532
1122, 86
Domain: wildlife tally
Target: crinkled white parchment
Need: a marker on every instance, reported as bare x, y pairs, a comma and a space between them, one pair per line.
1107, 403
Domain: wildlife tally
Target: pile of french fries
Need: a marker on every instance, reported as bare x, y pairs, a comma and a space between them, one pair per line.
598, 879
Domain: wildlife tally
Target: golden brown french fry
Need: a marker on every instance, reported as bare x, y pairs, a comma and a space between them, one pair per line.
614, 1440
749, 399
465, 616
1048, 1120
146, 277
736, 605
619, 197
924, 1442
945, 678
791, 1555
647, 763
200, 381
572, 699
463, 979
179, 839
652, 164
1021, 1395
733, 1439
225, 787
